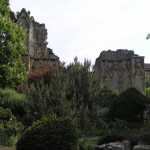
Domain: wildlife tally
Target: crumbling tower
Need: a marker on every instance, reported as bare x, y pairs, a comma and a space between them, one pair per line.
119, 70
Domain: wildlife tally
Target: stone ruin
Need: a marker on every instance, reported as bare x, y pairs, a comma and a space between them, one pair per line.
119, 70
147, 74
38, 54
116, 70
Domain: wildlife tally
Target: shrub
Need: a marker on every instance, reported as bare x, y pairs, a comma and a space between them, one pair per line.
10, 128
115, 131
87, 143
49, 133
5, 114
143, 134
147, 91
14, 101
129, 106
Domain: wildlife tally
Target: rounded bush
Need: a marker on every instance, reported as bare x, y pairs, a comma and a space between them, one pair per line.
13, 100
129, 106
49, 133
5, 114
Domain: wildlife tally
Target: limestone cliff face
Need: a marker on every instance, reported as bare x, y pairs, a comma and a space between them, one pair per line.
38, 54
119, 70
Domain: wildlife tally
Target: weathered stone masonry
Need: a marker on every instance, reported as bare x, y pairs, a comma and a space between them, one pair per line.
116, 70
147, 73
38, 54
120, 70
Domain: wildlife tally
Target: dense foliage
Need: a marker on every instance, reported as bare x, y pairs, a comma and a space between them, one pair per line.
4, 8
147, 91
12, 48
10, 128
129, 106
49, 133
71, 91
14, 101
125, 118
12, 73
12, 111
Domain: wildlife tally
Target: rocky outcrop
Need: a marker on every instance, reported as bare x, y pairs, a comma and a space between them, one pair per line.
119, 70
38, 54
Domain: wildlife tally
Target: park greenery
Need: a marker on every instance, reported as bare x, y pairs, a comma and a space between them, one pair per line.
58, 134
66, 109
12, 70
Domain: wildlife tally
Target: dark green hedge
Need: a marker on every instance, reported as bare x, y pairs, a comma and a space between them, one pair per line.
129, 106
49, 133
13, 100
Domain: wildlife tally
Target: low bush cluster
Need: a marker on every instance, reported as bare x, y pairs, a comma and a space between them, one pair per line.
49, 133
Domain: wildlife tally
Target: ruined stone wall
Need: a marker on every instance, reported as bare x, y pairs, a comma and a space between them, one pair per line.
37, 40
37, 55
147, 75
120, 70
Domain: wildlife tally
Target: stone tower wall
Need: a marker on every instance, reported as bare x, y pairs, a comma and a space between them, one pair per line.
120, 70
37, 55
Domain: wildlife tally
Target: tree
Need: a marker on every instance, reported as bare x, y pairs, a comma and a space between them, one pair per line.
4, 8
148, 36
12, 48
48, 96
78, 83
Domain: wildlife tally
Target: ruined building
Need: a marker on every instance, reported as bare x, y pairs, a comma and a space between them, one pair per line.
147, 75
38, 54
120, 70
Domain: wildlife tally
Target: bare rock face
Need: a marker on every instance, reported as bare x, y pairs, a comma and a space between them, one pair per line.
38, 53
119, 70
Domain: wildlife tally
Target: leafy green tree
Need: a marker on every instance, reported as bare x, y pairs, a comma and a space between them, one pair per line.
12, 48
4, 8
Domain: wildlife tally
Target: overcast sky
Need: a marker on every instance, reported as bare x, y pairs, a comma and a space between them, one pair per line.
84, 28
